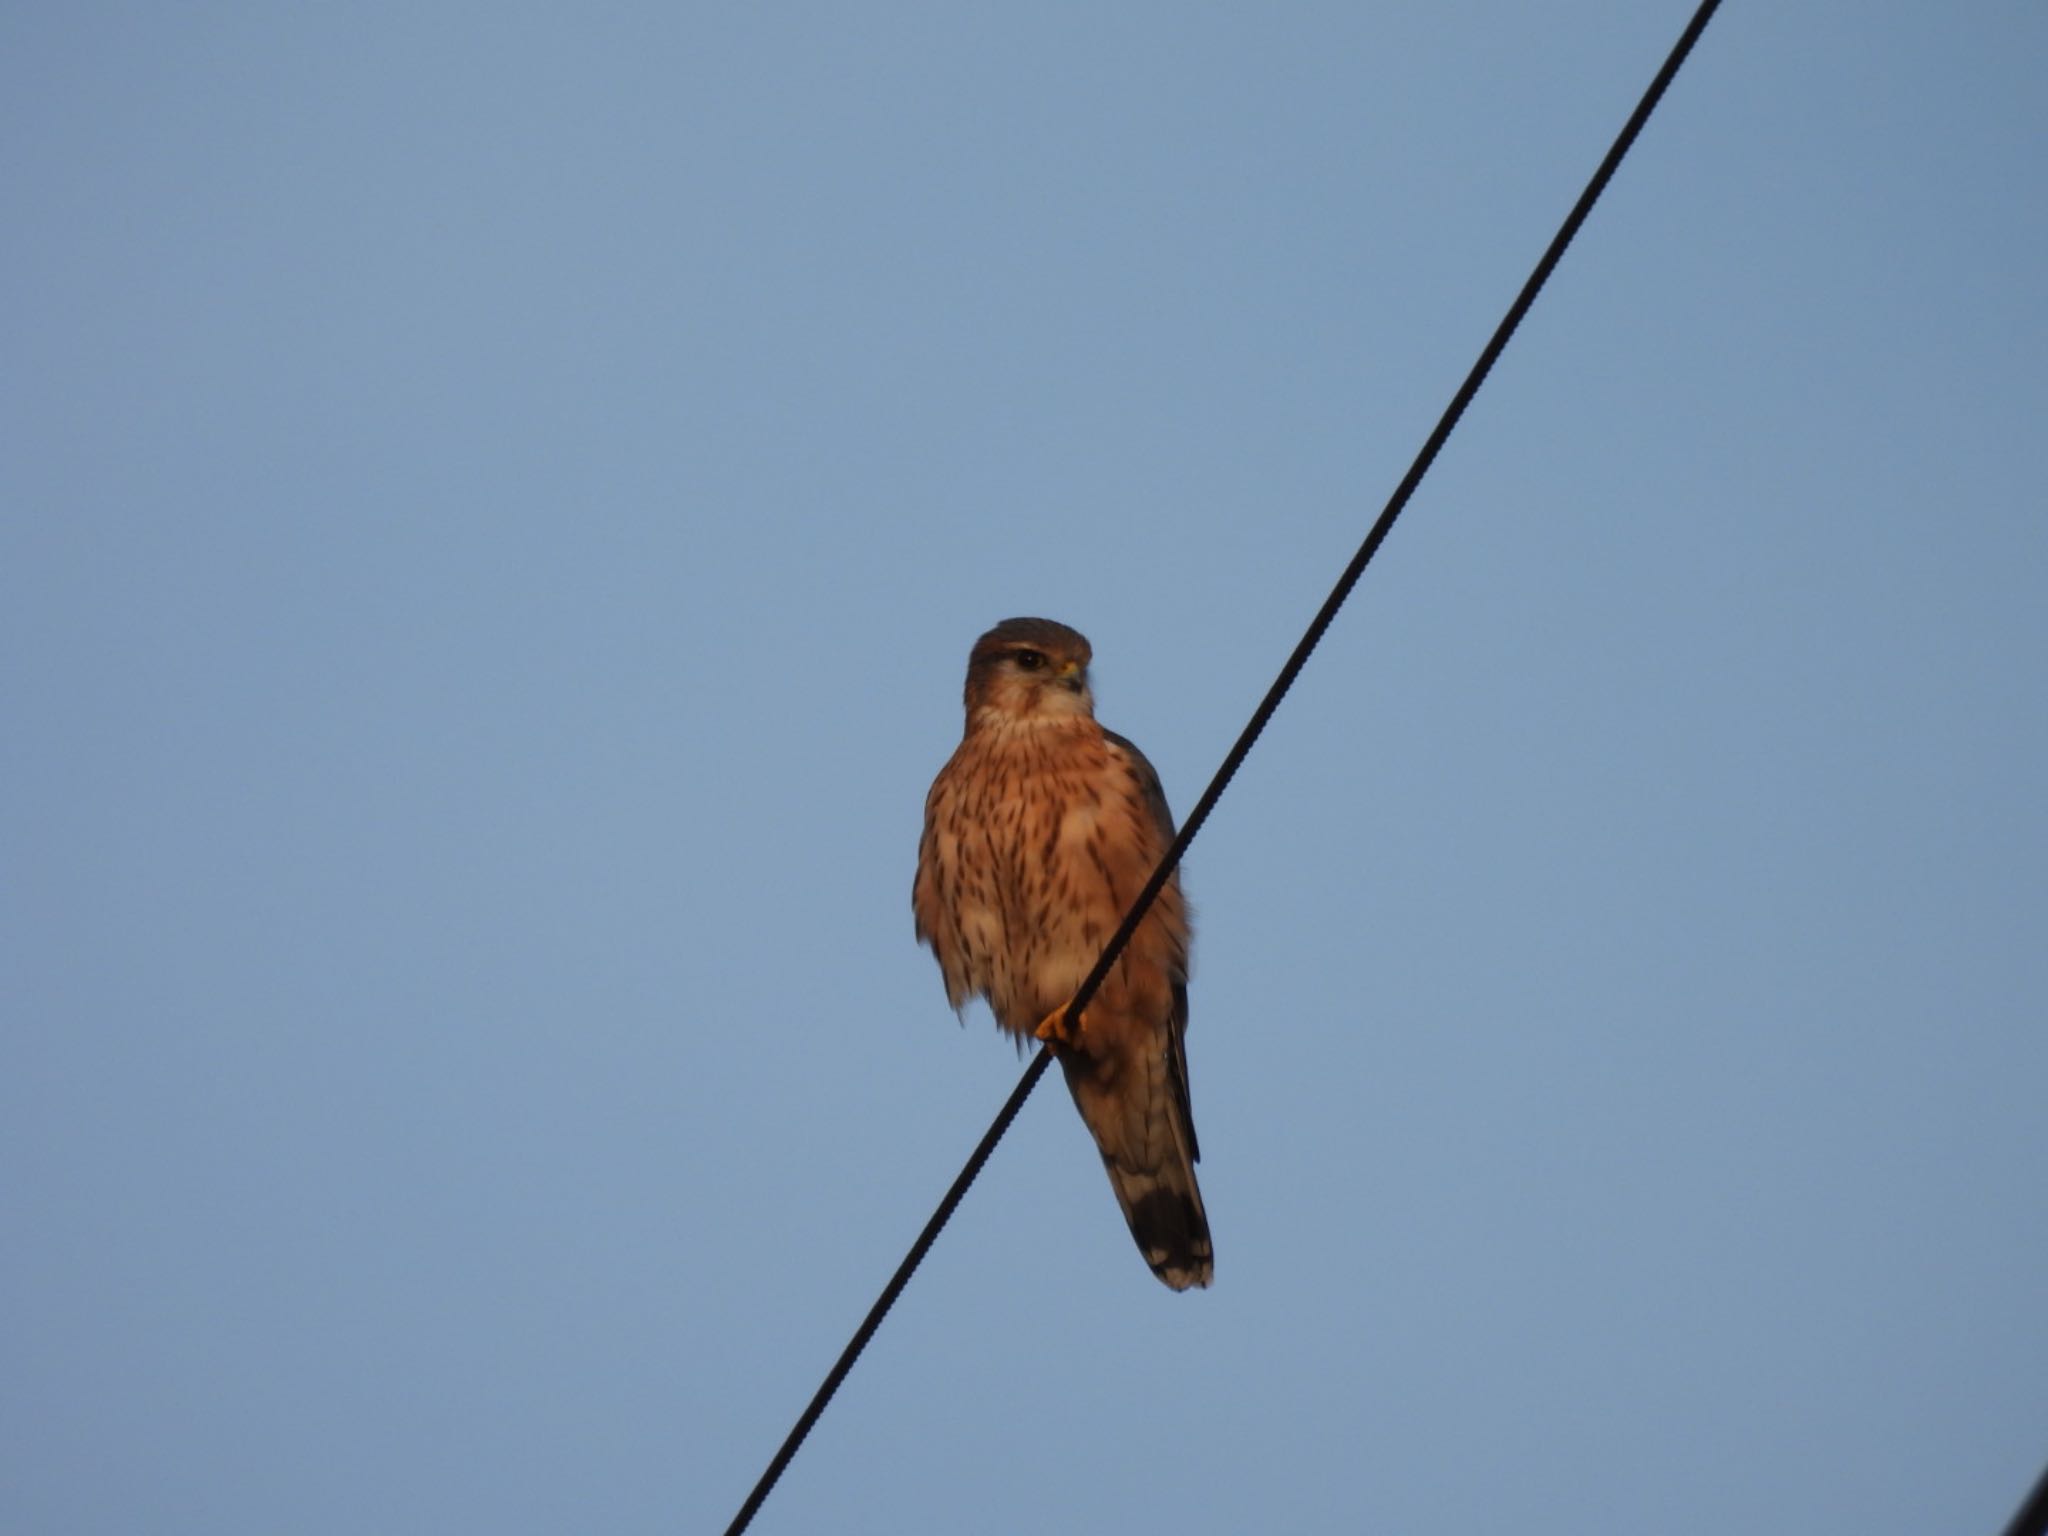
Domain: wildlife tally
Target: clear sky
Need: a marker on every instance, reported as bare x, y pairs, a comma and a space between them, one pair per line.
494, 502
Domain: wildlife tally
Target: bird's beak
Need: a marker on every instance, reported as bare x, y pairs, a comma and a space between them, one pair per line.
1073, 677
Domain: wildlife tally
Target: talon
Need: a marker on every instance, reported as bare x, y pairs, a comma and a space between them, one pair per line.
1054, 1028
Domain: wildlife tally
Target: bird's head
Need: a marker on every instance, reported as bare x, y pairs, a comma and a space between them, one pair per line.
1029, 670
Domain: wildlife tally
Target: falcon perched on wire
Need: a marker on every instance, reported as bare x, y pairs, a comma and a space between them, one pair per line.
1038, 833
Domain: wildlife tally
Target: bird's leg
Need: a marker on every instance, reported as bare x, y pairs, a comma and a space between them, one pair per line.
1054, 1029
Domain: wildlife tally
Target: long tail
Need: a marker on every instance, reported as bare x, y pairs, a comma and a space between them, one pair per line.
1164, 1208
1137, 1109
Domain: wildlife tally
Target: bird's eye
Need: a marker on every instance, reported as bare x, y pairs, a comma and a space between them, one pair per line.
1031, 661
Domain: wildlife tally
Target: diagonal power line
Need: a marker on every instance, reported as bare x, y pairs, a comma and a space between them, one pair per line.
2031, 1518
1383, 525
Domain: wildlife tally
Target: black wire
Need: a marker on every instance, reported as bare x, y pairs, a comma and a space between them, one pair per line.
2032, 1516
892, 1290
1395, 503
1321, 623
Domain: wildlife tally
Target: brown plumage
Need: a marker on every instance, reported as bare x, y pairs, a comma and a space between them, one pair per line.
1037, 835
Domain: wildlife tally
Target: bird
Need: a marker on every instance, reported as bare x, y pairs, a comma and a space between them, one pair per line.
1038, 833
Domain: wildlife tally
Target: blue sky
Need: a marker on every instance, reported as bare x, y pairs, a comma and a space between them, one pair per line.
496, 503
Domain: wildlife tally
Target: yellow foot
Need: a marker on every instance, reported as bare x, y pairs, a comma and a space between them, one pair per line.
1054, 1028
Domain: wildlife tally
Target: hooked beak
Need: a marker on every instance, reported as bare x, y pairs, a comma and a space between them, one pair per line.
1073, 677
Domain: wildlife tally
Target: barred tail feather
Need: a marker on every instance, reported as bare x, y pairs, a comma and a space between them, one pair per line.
1164, 1208
1136, 1107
